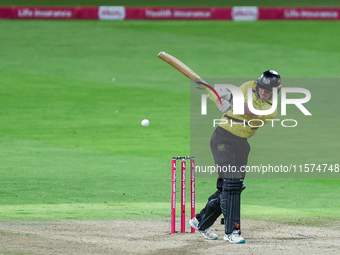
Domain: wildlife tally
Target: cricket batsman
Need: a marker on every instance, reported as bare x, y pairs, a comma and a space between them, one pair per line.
230, 150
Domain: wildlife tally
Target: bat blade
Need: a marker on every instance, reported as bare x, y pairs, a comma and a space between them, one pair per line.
184, 69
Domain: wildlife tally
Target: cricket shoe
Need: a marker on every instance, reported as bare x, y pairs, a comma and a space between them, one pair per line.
194, 223
208, 234
234, 237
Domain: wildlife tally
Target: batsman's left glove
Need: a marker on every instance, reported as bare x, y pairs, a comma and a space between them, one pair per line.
222, 91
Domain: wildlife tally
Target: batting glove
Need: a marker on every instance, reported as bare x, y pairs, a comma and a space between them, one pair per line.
222, 92
225, 106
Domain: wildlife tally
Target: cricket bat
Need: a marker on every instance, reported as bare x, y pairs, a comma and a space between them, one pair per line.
184, 69
180, 66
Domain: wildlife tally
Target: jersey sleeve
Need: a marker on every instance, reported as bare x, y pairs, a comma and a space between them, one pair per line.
244, 87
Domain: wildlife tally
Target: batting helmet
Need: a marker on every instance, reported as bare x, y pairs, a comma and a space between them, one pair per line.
269, 80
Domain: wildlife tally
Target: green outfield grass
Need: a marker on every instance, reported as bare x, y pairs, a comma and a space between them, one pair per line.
71, 143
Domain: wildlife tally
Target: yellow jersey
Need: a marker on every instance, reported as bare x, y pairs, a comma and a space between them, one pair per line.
245, 125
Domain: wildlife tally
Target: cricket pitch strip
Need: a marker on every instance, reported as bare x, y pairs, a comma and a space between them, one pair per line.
153, 237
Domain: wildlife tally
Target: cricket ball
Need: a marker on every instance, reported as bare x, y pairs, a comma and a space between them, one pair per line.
145, 122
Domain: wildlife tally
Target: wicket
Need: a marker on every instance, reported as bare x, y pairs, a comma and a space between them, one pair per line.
183, 188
